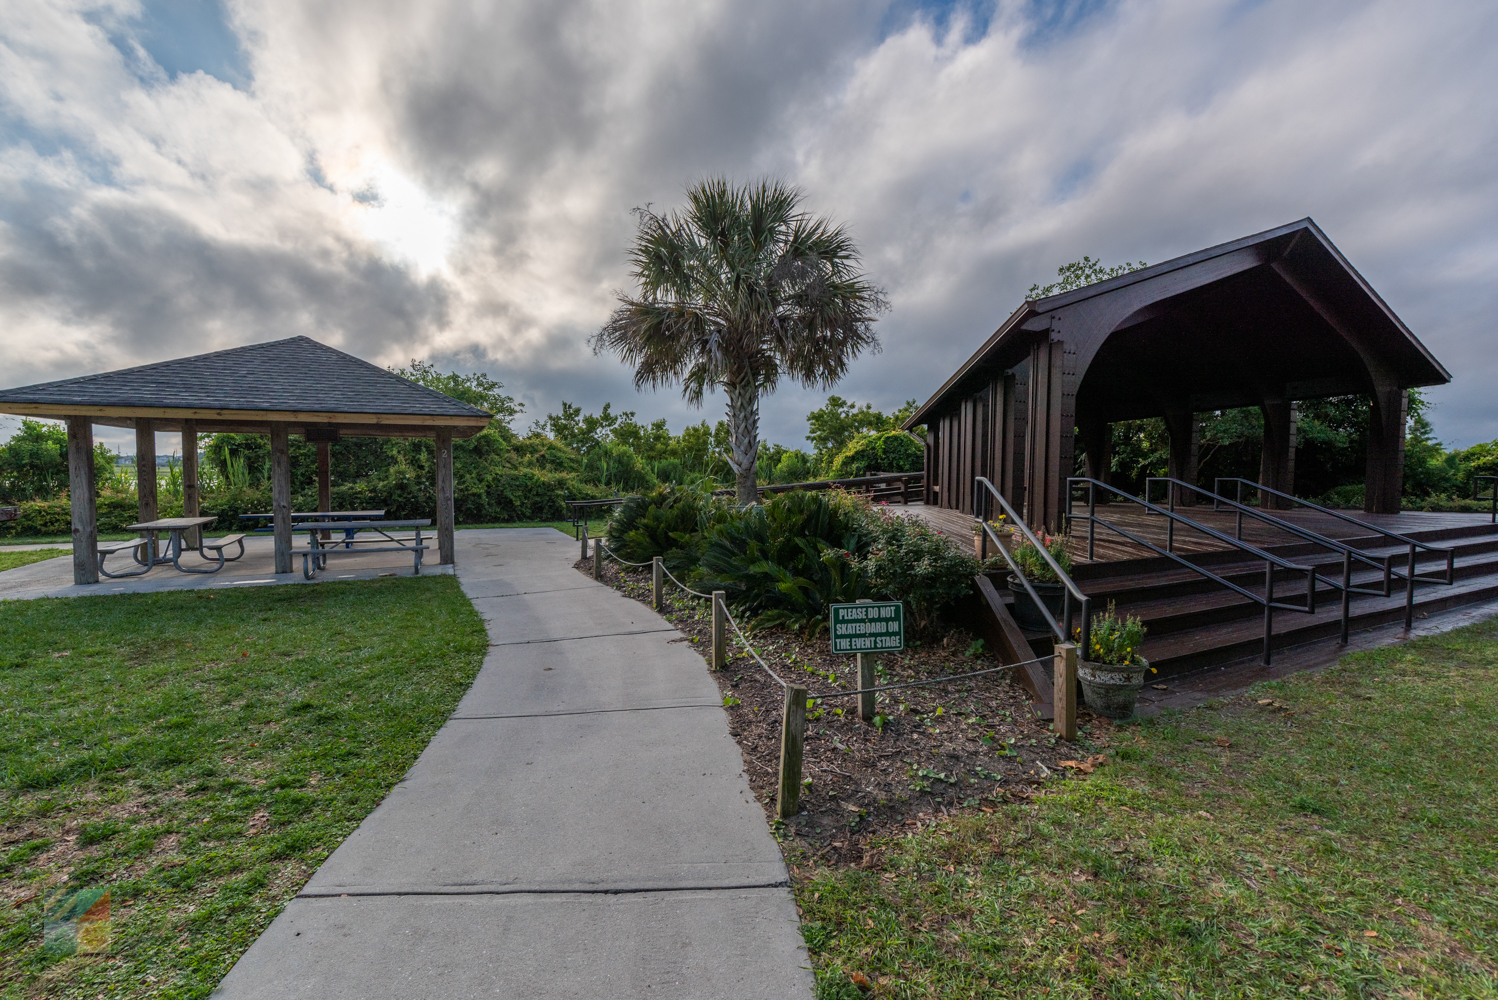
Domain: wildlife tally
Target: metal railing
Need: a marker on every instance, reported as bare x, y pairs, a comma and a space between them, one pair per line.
985, 495
1410, 576
1271, 561
1350, 553
1492, 482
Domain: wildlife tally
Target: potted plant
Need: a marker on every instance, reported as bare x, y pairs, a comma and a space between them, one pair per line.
1048, 586
1112, 671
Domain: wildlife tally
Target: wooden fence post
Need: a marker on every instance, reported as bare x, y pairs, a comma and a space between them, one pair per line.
792, 737
720, 653
1064, 696
585, 541
598, 559
656, 582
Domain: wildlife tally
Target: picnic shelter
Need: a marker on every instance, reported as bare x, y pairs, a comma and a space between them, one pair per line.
295, 386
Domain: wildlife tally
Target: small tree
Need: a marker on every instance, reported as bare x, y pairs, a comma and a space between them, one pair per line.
737, 291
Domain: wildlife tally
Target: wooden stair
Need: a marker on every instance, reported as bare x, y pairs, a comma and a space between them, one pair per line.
1194, 622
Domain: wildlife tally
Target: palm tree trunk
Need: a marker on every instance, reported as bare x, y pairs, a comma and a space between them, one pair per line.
743, 437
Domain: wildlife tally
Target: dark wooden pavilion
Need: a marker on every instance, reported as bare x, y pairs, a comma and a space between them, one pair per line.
1263, 321
293, 386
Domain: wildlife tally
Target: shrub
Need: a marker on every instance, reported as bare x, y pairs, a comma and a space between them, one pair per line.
668, 522
913, 562
887, 451
618, 467
794, 467
788, 560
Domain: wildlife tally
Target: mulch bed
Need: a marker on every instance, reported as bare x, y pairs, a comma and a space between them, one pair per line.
955, 747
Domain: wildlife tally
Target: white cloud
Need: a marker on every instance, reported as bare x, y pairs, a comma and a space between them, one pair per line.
145, 216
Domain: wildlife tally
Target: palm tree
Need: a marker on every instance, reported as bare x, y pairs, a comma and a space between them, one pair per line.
737, 291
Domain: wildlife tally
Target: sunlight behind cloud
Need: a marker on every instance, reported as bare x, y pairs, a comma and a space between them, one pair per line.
407, 222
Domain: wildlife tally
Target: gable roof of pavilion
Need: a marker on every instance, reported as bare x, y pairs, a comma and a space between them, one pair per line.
296, 377
1415, 362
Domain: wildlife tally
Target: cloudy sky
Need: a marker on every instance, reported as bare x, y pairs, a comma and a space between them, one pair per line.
453, 180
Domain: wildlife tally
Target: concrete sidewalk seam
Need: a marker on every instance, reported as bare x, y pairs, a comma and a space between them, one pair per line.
581, 711
526, 593
570, 638
367, 894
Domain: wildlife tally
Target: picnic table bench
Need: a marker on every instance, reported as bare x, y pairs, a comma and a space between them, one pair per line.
315, 555
298, 521
144, 548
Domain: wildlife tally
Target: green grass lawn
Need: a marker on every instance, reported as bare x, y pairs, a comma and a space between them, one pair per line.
11, 560
1337, 842
201, 753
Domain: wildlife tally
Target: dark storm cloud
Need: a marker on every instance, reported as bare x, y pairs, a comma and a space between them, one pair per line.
454, 180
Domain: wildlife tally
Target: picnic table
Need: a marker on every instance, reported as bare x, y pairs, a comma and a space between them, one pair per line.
315, 555
298, 521
144, 549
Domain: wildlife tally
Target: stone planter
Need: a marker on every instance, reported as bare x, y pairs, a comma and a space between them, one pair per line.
1110, 690
1026, 614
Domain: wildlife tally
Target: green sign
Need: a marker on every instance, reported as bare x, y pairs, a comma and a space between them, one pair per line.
869, 627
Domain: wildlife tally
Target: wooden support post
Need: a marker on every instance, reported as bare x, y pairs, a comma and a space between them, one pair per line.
1184, 431
584, 535
81, 492
325, 482
1386, 431
720, 634
657, 582
146, 508
1277, 458
866, 679
598, 559
190, 539
792, 739
280, 494
445, 515
1064, 696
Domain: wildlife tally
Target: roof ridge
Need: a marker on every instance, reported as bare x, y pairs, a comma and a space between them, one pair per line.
1173, 264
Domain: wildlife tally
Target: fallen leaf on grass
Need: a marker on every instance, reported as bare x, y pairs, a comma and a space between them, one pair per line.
1086, 766
258, 822
65, 652
1370, 934
1223, 741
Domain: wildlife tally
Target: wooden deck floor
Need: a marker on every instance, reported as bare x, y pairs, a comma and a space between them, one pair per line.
1110, 546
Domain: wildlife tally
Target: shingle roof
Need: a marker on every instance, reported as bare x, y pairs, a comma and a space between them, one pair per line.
297, 374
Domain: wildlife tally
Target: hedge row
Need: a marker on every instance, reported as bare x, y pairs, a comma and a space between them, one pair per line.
497, 496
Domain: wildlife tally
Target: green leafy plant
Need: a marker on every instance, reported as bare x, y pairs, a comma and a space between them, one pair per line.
788, 560
1034, 565
668, 522
912, 561
1116, 639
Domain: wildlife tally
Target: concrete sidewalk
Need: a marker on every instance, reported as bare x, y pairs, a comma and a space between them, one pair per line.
581, 826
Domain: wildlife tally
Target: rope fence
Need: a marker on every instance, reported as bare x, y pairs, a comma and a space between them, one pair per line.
793, 718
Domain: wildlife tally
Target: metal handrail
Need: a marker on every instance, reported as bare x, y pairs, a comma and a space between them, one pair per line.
1062, 630
1270, 560
1349, 553
1492, 492
1410, 575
